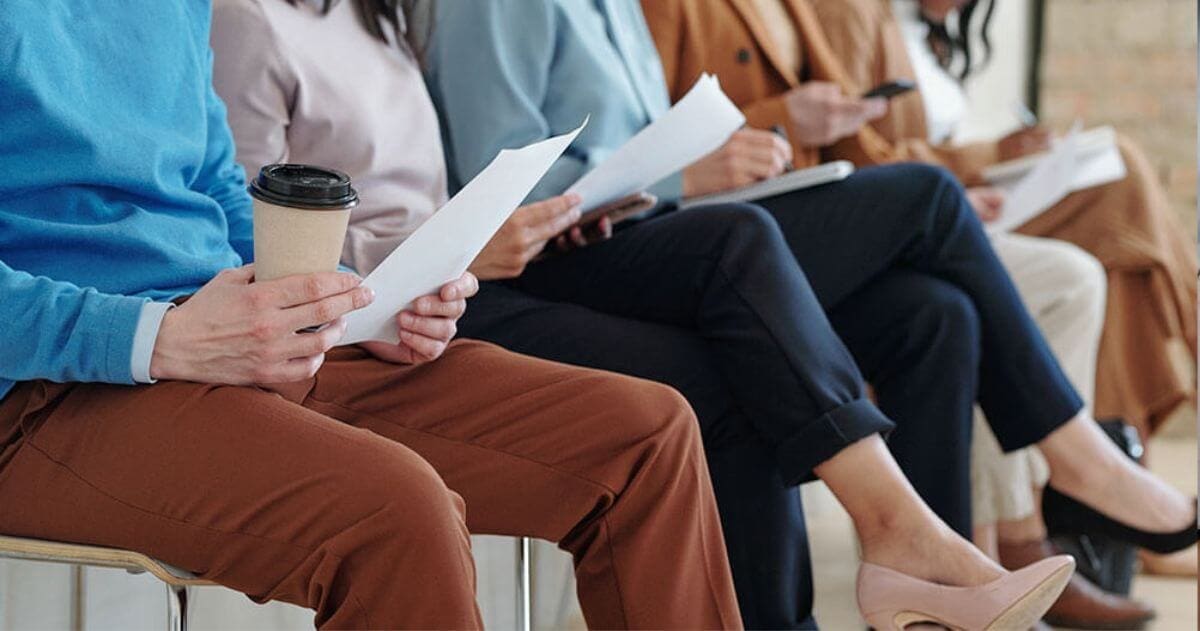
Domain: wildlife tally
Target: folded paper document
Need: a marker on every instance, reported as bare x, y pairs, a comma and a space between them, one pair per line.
696, 126
1033, 184
444, 246
1088, 143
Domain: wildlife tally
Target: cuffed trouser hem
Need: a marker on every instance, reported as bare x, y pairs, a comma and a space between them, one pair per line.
835, 430
1020, 430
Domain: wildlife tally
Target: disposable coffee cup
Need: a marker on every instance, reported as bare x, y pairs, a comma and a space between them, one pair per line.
300, 217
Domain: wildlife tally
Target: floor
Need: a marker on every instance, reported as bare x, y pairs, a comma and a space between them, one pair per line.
1173, 456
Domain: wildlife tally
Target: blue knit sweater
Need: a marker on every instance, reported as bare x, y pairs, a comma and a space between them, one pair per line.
117, 179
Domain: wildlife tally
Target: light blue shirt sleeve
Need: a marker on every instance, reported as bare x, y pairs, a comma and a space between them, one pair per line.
508, 47
491, 68
144, 337
58, 331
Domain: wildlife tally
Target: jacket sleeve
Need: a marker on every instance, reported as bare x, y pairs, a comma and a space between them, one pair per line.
488, 69
57, 331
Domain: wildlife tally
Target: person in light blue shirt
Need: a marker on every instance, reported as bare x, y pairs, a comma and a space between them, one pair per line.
264, 459
760, 314
542, 99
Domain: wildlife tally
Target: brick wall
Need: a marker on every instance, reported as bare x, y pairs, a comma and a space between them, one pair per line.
1132, 64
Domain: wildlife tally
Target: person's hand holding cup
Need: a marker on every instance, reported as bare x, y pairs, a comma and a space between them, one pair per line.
300, 218
241, 332
273, 321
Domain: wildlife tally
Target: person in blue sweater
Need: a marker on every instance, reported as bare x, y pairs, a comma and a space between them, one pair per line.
153, 397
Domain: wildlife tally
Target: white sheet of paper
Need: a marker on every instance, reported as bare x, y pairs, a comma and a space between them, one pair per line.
1046, 184
1097, 161
444, 246
696, 126
1088, 143
1099, 168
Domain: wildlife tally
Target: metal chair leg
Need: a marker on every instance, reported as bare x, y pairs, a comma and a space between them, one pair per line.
77, 597
524, 590
177, 611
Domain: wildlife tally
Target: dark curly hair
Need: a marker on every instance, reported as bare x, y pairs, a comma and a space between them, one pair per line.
375, 14
951, 40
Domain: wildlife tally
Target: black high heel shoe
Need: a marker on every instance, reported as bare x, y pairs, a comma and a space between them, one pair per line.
1068, 516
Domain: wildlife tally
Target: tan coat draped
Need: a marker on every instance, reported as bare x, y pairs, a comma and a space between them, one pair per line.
1147, 355
1148, 350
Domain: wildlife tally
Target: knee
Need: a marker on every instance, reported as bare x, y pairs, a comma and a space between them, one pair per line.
931, 177
744, 229
944, 187
949, 324
928, 194
1085, 282
1084, 269
402, 498
650, 412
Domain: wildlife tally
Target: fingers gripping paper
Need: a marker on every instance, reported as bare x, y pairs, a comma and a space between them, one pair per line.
444, 246
1034, 184
696, 126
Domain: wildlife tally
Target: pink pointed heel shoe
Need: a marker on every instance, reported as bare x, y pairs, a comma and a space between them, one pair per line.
891, 601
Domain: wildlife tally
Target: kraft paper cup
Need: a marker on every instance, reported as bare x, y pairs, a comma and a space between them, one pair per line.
301, 214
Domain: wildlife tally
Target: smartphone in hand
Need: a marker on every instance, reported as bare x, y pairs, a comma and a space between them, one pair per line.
890, 89
620, 209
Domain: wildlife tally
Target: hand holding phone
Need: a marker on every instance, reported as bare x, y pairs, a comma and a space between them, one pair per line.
890, 89
524, 236
618, 210
820, 113
597, 224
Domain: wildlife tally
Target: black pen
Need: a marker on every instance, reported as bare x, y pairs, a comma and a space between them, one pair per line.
782, 133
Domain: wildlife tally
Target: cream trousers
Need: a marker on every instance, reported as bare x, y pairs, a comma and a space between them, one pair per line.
1063, 288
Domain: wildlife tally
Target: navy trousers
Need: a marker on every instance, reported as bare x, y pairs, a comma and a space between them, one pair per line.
745, 310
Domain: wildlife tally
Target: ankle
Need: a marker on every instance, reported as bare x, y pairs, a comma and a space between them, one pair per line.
1074, 474
1021, 531
885, 534
880, 527
1081, 457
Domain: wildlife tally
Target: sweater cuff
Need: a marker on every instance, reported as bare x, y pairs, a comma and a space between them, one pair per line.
144, 337
114, 319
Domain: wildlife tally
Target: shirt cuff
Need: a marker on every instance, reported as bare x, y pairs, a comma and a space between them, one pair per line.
144, 337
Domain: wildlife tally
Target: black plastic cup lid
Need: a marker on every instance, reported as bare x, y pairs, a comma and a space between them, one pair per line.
304, 186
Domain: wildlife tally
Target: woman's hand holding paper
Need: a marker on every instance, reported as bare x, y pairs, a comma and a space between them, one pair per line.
1024, 141
523, 237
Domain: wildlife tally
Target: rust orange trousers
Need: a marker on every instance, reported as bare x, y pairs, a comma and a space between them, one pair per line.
353, 493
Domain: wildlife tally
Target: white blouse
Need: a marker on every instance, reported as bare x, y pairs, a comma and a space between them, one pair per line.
944, 98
